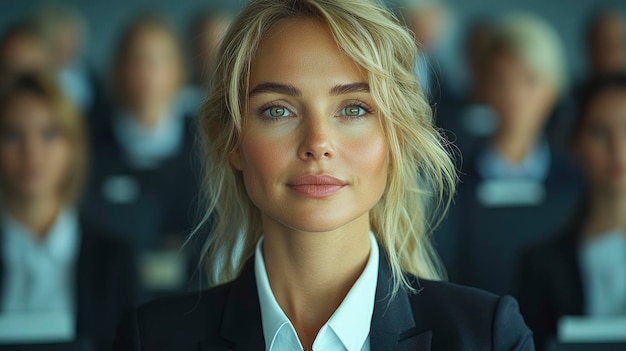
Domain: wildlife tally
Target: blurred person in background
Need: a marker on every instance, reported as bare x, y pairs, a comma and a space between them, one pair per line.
144, 183
427, 20
207, 32
582, 271
469, 119
517, 188
64, 30
606, 43
54, 265
22, 50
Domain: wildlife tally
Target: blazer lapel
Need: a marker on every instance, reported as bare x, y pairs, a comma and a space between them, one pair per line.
393, 323
84, 288
241, 324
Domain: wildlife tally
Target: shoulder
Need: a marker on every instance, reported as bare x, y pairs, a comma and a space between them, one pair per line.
175, 322
470, 317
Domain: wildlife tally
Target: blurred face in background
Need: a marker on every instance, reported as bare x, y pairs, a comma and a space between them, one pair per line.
522, 98
22, 52
601, 141
64, 43
608, 44
150, 69
427, 23
209, 34
476, 43
34, 154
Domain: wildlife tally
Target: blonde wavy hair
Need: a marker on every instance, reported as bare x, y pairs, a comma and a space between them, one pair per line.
421, 177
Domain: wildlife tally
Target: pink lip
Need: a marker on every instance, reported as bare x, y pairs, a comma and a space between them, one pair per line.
316, 186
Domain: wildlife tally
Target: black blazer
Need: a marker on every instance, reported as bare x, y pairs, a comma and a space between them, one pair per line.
166, 195
481, 245
440, 317
105, 286
551, 285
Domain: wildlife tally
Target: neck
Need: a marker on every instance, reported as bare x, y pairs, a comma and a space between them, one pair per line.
311, 273
607, 212
515, 143
149, 115
38, 215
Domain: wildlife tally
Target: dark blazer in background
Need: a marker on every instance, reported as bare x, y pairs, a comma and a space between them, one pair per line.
105, 285
163, 197
440, 317
551, 285
482, 245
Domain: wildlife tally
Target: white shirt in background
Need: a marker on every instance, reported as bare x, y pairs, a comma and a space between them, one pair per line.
603, 271
39, 275
347, 329
145, 147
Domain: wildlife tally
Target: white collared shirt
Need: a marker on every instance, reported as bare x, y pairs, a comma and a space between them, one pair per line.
603, 270
347, 329
39, 274
145, 147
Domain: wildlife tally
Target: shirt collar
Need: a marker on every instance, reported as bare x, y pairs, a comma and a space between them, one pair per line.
535, 166
350, 322
60, 243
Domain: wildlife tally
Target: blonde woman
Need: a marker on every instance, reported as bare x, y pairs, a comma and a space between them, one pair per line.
321, 154
54, 265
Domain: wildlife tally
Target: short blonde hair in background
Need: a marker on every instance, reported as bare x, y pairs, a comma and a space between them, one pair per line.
535, 43
421, 176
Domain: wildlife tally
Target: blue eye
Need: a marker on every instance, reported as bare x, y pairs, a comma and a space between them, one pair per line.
276, 112
353, 111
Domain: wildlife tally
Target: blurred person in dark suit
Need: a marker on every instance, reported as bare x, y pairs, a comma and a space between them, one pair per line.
469, 118
518, 187
582, 271
64, 31
144, 184
207, 32
53, 262
606, 43
22, 50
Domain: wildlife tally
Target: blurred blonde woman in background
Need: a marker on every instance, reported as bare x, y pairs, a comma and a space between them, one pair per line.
323, 163
53, 262
518, 187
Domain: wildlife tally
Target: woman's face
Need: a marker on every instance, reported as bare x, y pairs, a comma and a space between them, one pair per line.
522, 99
601, 142
34, 155
151, 71
313, 154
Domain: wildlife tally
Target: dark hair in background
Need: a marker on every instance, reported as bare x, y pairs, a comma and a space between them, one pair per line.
594, 88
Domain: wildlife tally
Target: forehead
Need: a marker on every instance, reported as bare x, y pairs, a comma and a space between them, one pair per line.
299, 50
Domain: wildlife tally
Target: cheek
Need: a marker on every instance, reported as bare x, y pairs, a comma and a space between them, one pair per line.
369, 159
263, 162
57, 158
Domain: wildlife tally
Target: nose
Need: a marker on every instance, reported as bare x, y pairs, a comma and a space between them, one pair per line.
316, 141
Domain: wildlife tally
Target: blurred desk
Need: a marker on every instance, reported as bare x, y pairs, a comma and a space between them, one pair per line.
592, 329
79, 345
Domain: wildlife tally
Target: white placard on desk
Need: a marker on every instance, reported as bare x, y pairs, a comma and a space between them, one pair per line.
33, 327
591, 329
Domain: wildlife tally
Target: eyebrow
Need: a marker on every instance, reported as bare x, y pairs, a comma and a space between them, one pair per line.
287, 89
